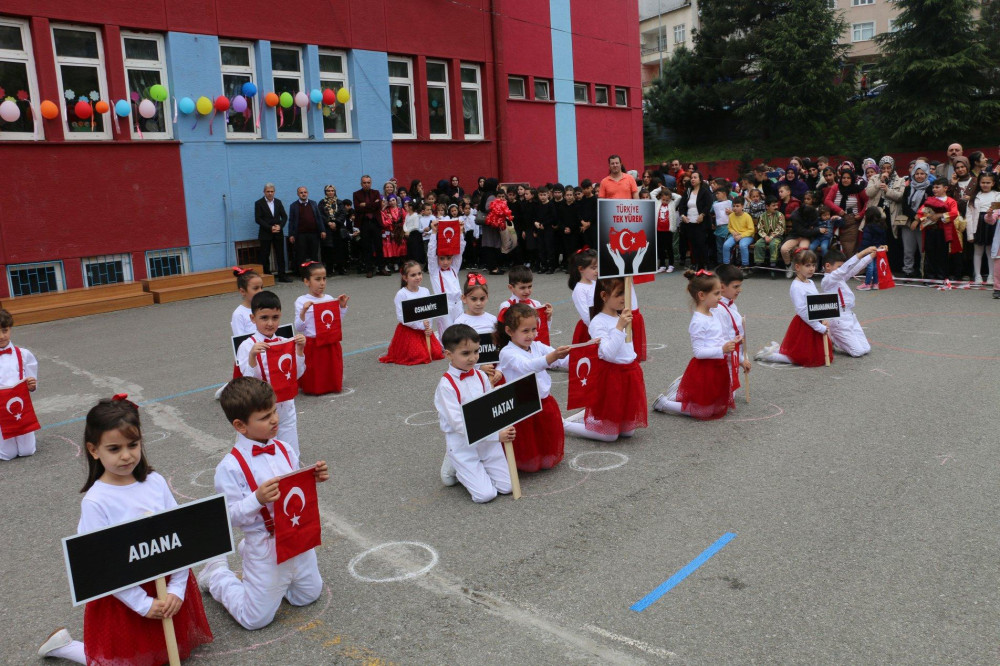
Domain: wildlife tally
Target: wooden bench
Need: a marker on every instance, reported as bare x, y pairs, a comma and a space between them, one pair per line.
76, 302
196, 285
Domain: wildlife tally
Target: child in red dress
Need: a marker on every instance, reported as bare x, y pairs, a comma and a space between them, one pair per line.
409, 343
582, 278
324, 356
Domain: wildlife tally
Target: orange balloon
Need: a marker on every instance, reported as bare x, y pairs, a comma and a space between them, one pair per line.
271, 99
49, 110
101, 106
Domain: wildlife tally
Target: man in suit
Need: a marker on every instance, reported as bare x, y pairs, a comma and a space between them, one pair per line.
368, 212
270, 216
305, 228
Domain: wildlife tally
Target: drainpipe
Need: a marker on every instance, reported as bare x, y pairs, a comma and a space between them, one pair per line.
500, 110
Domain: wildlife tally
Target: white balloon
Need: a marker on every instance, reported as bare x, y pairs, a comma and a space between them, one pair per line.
301, 100
147, 109
9, 111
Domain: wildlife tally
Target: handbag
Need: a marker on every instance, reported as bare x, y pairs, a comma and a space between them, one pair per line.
508, 239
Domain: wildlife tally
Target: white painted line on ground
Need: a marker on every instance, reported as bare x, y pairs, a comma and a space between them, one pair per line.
357, 559
420, 420
575, 462
632, 642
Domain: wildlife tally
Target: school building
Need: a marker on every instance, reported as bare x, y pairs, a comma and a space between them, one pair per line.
524, 90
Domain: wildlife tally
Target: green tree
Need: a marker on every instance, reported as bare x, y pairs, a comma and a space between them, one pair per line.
683, 100
934, 66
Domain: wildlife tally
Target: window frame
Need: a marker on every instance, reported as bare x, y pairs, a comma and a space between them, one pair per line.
182, 252
128, 274
548, 89
477, 86
60, 275
856, 28
607, 98
624, 93
26, 56
438, 85
342, 78
682, 29
159, 66
586, 93
524, 89
407, 83
102, 81
301, 77
862, 3
240, 70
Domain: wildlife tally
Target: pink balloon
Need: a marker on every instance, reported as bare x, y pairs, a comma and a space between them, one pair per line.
239, 104
9, 111
147, 109
301, 100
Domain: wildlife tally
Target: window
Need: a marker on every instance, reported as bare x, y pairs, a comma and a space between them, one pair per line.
17, 79
831, 4
145, 68
27, 279
542, 89
580, 93
678, 34
161, 263
863, 32
401, 98
859, 3
438, 109
472, 102
106, 269
893, 25
333, 75
621, 97
237, 69
286, 70
80, 69
515, 87
601, 95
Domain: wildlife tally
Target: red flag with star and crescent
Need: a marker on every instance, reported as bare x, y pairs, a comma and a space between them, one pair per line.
449, 238
582, 363
296, 515
281, 370
543, 326
326, 315
17, 415
627, 240
885, 279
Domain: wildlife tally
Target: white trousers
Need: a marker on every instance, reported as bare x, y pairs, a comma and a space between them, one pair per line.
22, 445
482, 469
848, 336
288, 431
254, 600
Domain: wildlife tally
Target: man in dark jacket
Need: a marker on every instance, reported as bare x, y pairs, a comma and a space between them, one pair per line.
305, 228
270, 216
368, 216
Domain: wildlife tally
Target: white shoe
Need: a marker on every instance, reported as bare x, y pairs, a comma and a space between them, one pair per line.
658, 403
578, 416
449, 475
218, 394
59, 638
214, 564
790, 273
627, 433
661, 269
672, 389
670, 269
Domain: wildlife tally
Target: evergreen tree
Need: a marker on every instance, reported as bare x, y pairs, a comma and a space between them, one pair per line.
934, 66
684, 100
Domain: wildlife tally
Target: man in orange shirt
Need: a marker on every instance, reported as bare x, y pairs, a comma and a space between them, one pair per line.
617, 184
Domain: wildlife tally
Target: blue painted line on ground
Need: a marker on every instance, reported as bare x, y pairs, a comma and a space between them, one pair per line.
671, 582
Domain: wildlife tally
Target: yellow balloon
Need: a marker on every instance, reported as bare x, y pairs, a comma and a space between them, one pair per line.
343, 96
204, 106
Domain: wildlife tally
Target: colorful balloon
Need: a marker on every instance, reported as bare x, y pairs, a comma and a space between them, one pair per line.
287, 100
147, 108
221, 103
83, 110
102, 106
343, 96
239, 104
301, 100
185, 105
315, 96
49, 110
249, 89
158, 92
271, 99
204, 105
329, 97
9, 111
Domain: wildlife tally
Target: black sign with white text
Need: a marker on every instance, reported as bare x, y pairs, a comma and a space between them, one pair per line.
137, 551
823, 306
428, 307
503, 406
488, 352
285, 331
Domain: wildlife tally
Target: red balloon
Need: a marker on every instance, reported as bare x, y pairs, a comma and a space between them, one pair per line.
329, 96
83, 110
221, 103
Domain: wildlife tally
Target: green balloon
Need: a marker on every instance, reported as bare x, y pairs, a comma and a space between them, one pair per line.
286, 100
158, 92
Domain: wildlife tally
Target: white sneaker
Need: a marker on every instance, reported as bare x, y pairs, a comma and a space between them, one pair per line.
658, 403
661, 269
790, 273
214, 564
59, 638
218, 394
449, 475
670, 269
671, 393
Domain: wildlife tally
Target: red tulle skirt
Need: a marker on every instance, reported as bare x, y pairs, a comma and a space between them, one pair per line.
540, 439
324, 368
804, 345
409, 347
236, 371
705, 391
639, 335
622, 406
581, 333
115, 635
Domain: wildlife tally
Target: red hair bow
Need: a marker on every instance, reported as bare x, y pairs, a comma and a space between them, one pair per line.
309, 263
239, 271
585, 248
123, 397
476, 279
703, 273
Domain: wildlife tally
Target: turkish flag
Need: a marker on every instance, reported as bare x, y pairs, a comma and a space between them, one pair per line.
296, 515
17, 416
582, 363
627, 240
282, 370
885, 279
449, 238
543, 326
327, 318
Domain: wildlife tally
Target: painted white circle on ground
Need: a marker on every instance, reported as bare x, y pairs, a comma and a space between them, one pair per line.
555, 332
655, 346
343, 394
353, 564
155, 437
197, 475
421, 418
578, 466
778, 366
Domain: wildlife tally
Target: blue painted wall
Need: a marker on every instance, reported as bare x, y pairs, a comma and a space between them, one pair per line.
561, 26
222, 178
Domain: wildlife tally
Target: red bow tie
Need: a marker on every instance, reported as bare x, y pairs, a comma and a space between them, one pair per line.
9, 350
269, 341
261, 450
465, 375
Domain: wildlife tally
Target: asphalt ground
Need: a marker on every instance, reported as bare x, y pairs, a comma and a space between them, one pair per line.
862, 497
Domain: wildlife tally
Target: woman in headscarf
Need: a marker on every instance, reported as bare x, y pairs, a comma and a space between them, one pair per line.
848, 200
886, 191
868, 170
489, 241
393, 241
910, 200
333, 244
798, 185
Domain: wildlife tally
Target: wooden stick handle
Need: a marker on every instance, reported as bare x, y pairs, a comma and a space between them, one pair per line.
746, 374
430, 354
628, 306
173, 655
515, 483
826, 349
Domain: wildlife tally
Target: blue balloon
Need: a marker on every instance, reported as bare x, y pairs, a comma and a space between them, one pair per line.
185, 105
249, 89
315, 96
123, 108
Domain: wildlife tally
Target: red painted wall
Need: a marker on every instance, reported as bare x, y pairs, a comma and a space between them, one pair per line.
431, 163
529, 148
